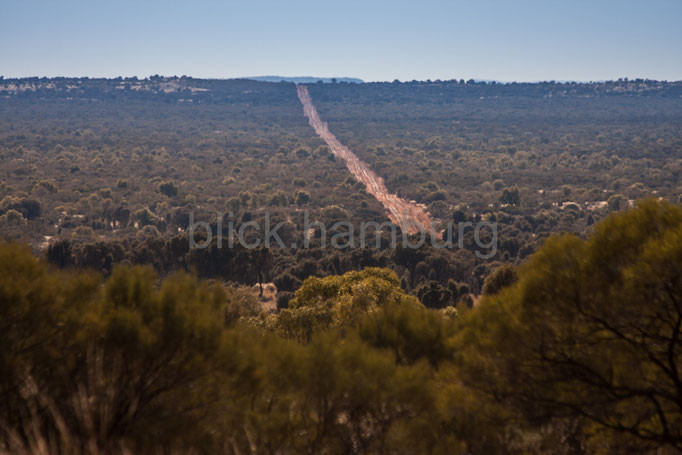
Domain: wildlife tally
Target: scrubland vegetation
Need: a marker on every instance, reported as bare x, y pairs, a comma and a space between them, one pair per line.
579, 353
109, 170
116, 337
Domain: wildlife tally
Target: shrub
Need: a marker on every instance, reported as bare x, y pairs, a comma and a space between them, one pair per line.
169, 189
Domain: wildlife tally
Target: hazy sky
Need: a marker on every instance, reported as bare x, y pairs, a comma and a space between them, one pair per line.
374, 40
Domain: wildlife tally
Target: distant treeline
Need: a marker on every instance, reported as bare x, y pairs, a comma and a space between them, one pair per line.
267, 89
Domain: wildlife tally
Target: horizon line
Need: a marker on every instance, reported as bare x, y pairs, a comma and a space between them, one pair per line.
476, 80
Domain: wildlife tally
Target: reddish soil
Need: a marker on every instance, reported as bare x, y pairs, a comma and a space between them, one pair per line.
411, 217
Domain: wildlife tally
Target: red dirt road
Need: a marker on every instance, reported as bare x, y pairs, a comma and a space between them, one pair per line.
411, 217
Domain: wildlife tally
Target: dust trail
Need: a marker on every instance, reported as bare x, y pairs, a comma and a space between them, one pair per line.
411, 217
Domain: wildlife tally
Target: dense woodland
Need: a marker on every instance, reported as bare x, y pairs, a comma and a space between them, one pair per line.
115, 336
578, 351
107, 171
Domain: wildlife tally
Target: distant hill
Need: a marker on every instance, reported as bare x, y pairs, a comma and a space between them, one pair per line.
306, 79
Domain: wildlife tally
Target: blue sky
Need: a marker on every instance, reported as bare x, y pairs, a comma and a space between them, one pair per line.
524, 40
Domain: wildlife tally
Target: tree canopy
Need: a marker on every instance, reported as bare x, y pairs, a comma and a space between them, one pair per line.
592, 331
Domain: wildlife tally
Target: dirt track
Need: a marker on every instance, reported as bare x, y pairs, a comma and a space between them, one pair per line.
411, 217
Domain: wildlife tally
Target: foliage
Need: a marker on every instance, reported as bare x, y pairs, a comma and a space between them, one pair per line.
510, 196
580, 355
128, 169
321, 303
128, 363
574, 349
499, 279
592, 330
169, 189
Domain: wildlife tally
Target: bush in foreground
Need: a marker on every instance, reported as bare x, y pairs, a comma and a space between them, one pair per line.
581, 354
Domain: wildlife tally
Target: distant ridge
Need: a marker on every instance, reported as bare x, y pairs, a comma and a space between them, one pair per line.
306, 79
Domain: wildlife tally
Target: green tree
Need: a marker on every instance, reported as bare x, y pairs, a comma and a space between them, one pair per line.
500, 278
591, 331
510, 196
169, 189
616, 202
434, 295
301, 197
97, 365
321, 303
